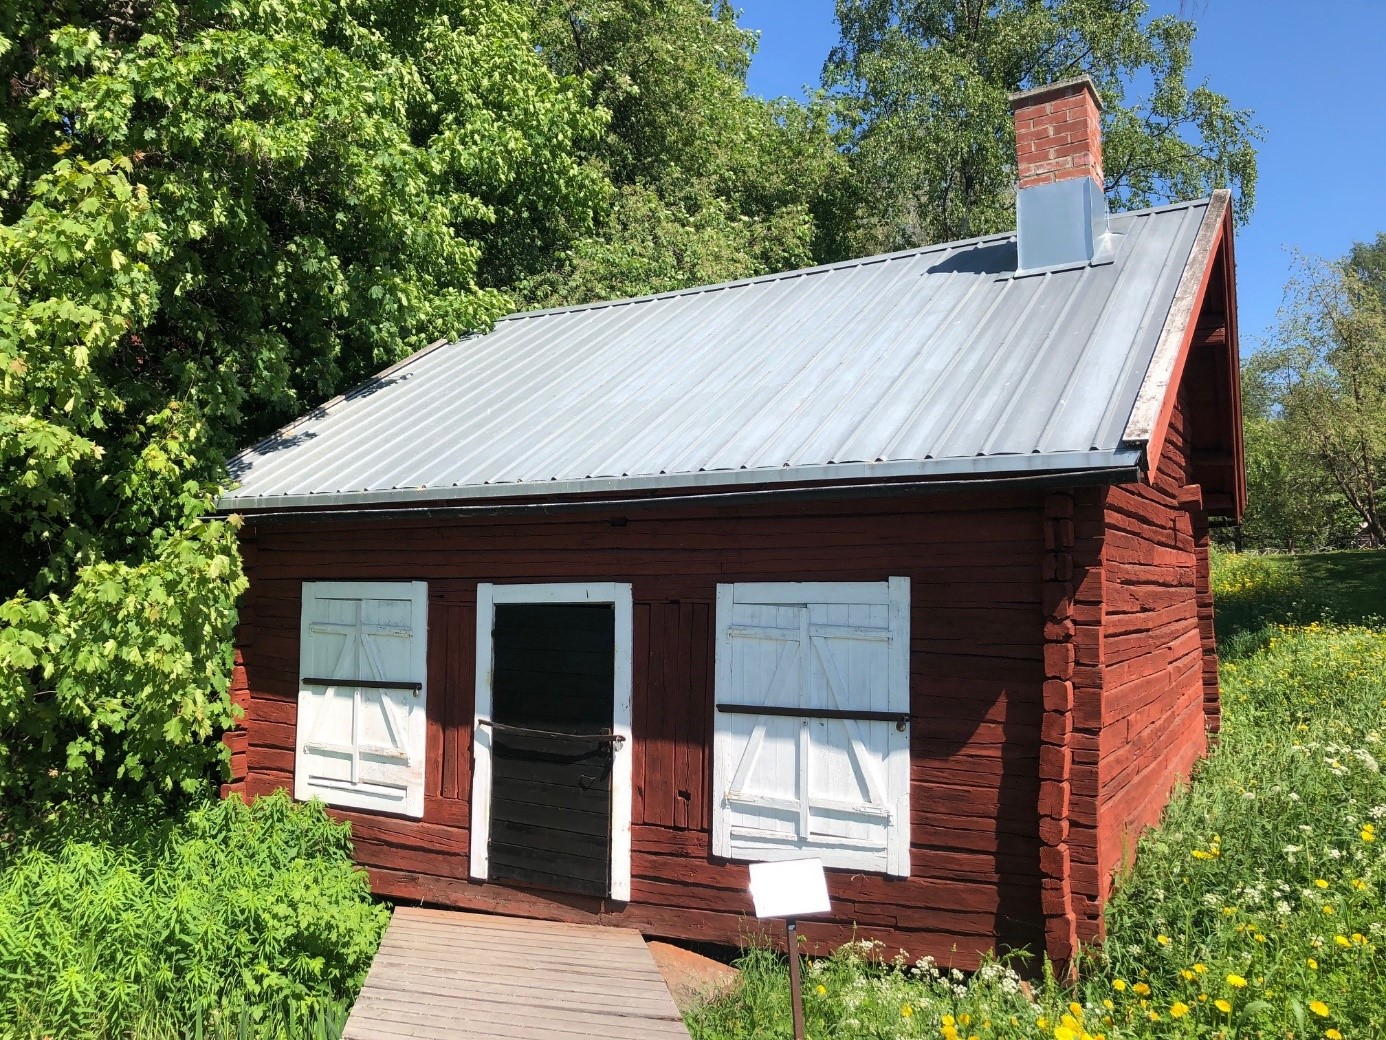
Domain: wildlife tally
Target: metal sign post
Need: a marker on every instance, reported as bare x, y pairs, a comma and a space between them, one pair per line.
796, 988
791, 890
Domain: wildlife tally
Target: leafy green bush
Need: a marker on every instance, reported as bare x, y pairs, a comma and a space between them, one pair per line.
120, 689
236, 921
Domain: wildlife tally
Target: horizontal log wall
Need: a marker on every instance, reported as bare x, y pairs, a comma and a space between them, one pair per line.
1153, 693
976, 701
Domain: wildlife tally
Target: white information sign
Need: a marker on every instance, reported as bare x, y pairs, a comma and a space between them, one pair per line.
790, 888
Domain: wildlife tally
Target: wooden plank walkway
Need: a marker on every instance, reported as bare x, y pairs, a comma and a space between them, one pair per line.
444, 975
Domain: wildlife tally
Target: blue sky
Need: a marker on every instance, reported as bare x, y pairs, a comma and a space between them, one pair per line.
1310, 71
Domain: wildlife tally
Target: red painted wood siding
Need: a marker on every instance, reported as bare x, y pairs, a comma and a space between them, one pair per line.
1146, 682
976, 673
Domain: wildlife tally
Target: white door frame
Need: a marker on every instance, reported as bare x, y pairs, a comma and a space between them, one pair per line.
618, 594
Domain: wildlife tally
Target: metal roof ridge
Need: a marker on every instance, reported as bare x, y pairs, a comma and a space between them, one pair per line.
838, 265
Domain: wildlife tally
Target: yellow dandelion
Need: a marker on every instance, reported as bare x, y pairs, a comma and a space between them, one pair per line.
906, 1011
1319, 1008
1076, 1010
1107, 1003
1333, 1034
949, 1021
1200, 968
1225, 1006
1320, 883
1359, 938
822, 990
1328, 910
1064, 1033
964, 1020
1358, 884
1313, 964
1342, 940
1236, 982
1179, 1009
1142, 989
1119, 985
1163, 940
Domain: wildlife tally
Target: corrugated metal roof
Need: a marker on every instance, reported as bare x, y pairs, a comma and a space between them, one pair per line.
934, 362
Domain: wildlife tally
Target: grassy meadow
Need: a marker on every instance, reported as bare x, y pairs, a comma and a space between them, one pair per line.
1256, 910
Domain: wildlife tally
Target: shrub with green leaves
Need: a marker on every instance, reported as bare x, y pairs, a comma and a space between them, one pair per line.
237, 921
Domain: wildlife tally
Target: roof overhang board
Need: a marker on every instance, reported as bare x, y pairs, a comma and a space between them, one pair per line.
1155, 402
1234, 367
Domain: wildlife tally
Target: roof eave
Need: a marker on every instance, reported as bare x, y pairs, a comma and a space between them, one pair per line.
975, 471
1149, 422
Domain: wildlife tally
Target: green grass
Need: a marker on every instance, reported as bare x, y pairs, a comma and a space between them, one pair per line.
1256, 910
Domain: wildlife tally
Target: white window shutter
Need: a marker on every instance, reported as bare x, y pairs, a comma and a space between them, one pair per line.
789, 783
361, 740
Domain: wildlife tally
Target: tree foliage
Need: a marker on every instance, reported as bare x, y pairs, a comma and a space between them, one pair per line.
925, 85
214, 215
1325, 374
709, 183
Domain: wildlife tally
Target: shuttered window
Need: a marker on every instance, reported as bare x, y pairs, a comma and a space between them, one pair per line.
361, 725
811, 746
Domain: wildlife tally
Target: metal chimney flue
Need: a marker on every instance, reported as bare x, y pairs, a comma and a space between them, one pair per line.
1061, 207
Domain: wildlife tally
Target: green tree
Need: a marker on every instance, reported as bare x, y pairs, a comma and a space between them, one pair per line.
1326, 374
211, 217
924, 86
1291, 502
710, 183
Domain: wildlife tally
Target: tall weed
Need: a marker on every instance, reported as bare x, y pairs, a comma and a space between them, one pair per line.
238, 921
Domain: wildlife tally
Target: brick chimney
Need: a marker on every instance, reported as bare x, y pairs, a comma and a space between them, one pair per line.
1061, 210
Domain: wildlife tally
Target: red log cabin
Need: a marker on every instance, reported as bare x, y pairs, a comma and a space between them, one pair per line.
901, 563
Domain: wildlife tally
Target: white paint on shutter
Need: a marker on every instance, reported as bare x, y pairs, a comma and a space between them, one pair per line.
790, 785
362, 747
